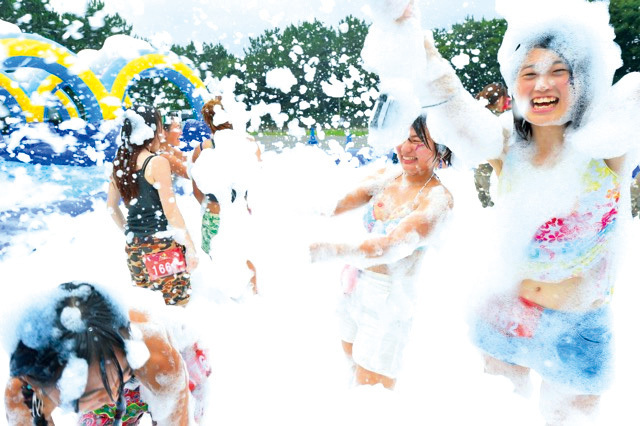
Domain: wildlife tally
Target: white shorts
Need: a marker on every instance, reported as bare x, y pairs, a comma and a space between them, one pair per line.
369, 320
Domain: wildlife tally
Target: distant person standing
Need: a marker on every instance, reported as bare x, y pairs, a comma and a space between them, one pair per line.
209, 202
169, 146
498, 102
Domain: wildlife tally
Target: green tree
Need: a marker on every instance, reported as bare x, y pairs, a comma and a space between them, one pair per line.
480, 41
212, 60
33, 16
625, 19
96, 26
38, 17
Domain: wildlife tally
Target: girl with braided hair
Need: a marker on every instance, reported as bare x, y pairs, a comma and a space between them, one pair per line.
82, 351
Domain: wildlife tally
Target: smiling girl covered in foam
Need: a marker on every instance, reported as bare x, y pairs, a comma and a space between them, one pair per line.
560, 203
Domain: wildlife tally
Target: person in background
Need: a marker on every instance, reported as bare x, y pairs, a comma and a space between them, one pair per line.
498, 101
157, 259
169, 146
209, 202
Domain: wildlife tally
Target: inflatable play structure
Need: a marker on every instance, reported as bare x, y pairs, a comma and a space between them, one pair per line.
60, 94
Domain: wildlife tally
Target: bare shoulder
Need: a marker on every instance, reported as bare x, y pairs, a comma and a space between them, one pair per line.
136, 316
159, 164
437, 200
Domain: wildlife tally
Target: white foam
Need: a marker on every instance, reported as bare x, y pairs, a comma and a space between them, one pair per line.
281, 79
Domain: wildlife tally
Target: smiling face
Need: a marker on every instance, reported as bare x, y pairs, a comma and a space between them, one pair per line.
173, 133
543, 89
414, 156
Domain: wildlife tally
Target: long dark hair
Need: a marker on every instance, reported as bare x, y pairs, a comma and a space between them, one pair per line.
208, 111
125, 174
420, 127
580, 67
97, 341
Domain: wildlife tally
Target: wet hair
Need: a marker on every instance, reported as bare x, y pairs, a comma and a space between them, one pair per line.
125, 175
208, 111
579, 66
99, 341
492, 93
420, 127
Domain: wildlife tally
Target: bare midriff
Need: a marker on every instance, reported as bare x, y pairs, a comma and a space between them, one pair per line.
410, 263
566, 295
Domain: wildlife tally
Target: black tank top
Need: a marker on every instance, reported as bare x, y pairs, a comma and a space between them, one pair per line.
146, 216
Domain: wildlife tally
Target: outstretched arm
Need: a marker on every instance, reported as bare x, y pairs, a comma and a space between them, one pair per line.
405, 238
363, 193
609, 132
177, 161
470, 130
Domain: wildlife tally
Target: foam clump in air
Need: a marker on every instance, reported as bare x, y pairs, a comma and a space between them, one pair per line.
229, 166
280, 78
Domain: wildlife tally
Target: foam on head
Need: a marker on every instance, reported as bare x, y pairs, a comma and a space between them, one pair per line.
577, 30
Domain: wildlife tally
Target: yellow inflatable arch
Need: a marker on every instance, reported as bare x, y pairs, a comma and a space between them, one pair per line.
13, 96
99, 99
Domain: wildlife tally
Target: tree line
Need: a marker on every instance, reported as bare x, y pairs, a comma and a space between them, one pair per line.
317, 55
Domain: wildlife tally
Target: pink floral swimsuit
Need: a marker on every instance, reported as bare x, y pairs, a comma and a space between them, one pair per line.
566, 247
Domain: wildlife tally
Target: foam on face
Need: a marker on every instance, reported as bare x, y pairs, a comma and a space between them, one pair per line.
577, 30
541, 62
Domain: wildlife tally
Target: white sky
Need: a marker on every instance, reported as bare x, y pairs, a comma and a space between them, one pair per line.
232, 22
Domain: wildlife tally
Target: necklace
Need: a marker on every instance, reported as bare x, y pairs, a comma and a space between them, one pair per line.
415, 199
414, 204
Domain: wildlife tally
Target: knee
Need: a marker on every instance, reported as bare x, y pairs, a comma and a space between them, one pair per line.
500, 368
366, 377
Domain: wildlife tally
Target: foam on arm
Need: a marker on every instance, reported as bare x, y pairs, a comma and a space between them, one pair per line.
470, 130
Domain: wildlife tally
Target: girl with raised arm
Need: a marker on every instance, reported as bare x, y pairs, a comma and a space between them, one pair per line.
404, 206
560, 178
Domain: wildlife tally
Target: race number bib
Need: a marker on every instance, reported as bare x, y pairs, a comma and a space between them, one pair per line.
165, 263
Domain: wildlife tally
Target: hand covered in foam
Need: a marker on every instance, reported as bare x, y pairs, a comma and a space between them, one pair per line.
609, 131
393, 50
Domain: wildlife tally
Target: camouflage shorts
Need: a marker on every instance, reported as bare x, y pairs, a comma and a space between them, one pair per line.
210, 226
175, 288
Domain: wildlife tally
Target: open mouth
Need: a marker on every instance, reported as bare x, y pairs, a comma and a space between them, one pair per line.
544, 104
409, 159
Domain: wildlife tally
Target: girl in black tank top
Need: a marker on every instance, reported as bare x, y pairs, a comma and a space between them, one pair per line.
155, 259
145, 216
